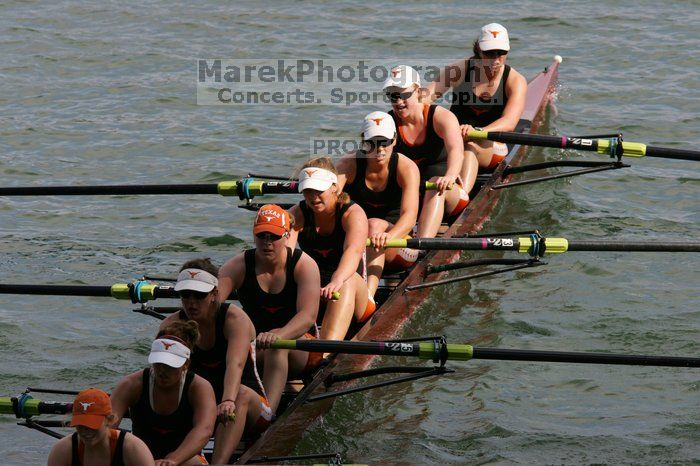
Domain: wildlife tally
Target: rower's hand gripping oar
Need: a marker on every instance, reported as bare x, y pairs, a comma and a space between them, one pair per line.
440, 351
614, 146
536, 245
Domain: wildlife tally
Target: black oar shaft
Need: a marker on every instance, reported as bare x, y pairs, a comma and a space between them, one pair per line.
110, 190
669, 153
56, 290
586, 358
634, 246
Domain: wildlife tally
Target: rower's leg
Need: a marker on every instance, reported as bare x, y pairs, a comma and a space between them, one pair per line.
431, 214
375, 259
338, 316
361, 297
227, 436
470, 168
275, 375
452, 198
483, 150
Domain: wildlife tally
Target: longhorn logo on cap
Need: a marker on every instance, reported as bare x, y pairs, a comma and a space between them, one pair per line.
377, 120
494, 33
167, 345
310, 171
86, 405
395, 72
193, 274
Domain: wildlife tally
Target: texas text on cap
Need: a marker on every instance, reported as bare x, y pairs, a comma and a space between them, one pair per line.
169, 351
318, 179
90, 408
494, 37
273, 219
196, 280
378, 124
402, 76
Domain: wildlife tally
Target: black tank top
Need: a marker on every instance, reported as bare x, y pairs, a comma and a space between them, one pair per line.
162, 433
211, 364
431, 152
474, 110
117, 450
377, 204
267, 310
325, 250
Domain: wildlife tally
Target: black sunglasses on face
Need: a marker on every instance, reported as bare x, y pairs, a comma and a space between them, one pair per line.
494, 53
191, 294
370, 145
395, 96
268, 237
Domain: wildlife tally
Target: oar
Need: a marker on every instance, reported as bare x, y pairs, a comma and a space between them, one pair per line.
26, 406
444, 351
602, 146
536, 245
244, 189
137, 292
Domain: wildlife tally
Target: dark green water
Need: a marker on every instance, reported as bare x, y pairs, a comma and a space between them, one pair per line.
92, 93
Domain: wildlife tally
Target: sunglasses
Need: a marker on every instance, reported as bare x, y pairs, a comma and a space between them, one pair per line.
370, 145
395, 96
494, 53
268, 237
191, 294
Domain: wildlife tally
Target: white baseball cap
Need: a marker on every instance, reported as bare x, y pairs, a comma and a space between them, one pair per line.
378, 124
316, 178
196, 280
494, 37
402, 76
168, 351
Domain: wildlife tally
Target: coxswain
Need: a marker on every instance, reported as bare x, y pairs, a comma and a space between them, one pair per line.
385, 184
333, 230
488, 94
222, 355
430, 136
94, 442
279, 289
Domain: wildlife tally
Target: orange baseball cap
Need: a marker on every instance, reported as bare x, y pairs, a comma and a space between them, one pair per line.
90, 408
273, 219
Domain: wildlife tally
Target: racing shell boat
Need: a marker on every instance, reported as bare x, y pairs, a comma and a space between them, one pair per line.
316, 395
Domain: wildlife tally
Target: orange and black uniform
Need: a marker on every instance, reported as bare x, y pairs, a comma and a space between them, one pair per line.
430, 156
116, 448
162, 433
326, 250
266, 310
385, 204
475, 111
211, 364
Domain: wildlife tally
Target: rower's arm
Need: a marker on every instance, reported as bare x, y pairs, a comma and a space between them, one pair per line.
203, 404
356, 229
409, 180
346, 170
61, 453
125, 395
516, 87
308, 280
298, 216
239, 332
450, 76
231, 276
447, 127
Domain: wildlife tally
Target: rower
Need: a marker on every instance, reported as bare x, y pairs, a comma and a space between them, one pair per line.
489, 94
279, 289
172, 409
221, 356
430, 136
93, 441
333, 231
386, 185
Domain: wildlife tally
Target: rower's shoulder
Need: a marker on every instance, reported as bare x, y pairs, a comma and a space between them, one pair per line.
136, 452
61, 452
232, 264
515, 78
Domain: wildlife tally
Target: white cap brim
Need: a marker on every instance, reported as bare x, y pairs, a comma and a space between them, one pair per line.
196, 280
315, 184
169, 359
318, 179
194, 285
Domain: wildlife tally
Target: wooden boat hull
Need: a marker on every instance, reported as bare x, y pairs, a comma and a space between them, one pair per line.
387, 322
